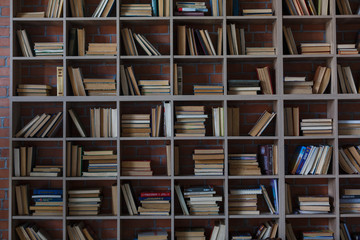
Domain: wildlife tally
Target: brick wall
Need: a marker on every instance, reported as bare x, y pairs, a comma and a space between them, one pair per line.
4, 114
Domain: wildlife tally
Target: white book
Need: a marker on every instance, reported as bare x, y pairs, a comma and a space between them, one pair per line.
214, 233
311, 161
126, 200
114, 126
16, 158
316, 161
307, 160
222, 232
181, 200
322, 160
167, 116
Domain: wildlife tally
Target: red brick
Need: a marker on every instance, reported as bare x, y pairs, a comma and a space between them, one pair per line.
5, 12
4, 71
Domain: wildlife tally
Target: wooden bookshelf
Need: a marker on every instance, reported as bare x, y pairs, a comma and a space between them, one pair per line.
331, 104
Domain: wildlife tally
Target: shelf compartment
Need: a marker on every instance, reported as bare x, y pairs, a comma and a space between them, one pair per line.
89, 8
154, 151
348, 183
247, 4
51, 226
130, 228
21, 6
351, 61
346, 112
347, 33
207, 224
351, 224
301, 225
249, 225
101, 229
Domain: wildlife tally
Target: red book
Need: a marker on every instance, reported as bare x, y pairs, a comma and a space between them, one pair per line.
155, 194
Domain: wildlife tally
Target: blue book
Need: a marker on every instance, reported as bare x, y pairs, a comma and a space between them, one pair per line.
350, 196
350, 200
154, 5
298, 155
218, 8
303, 159
235, 8
274, 186
48, 192
154, 198
48, 199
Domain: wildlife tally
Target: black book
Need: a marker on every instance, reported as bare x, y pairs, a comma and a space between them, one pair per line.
73, 46
200, 42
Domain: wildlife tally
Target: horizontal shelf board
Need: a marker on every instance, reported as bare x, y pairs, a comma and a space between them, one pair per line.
349, 96
95, 217
37, 99
199, 19
145, 57
250, 57
37, 217
159, 98
309, 176
252, 138
91, 19
17, 19
349, 56
350, 215
200, 138
329, 215
144, 19
144, 217
349, 175
259, 97
309, 56
255, 177
348, 136
199, 217
251, 19
145, 177
213, 98
35, 139
308, 137
307, 97
91, 57
37, 178
90, 178
89, 139
313, 19
262, 215
198, 177
50, 58
91, 99
144, 138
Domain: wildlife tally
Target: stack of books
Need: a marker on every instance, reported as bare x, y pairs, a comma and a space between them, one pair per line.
315, 48
349, 127
53, 10
347, 49
262, 123
48, 202
135, 125
190, 121
202, 200
199, 41
49, 49
80, 230
218, 121
28, 230
297, 85
22, 201
257, 12
321, 79
102, 49
303, 8
33, 90
129, 39
265, 80
135, 10
290, 41
103, 122
292, 121
268, 159
311, 160
350, 201
344, 9
260, 51
100, 86
104, 8
349, 159
24, 43
100, 163
208, 162
154, 203
243, 87
236, 40
346, 80
44, 125
345, 233
30, 14
191, 9
233, 115
208, 90
136, 168
319, 234
243, 164
46, 171
152, 235
154, 87
84, 202
314, 204
244, 201
241, 236
190, 234
316, 127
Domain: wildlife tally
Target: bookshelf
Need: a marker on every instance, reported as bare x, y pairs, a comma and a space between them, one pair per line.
263, 31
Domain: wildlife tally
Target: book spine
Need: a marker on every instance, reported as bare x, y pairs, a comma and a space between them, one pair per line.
154, 194
47, 199
155, 198
154, 4
48, 191
235, 7
303, 159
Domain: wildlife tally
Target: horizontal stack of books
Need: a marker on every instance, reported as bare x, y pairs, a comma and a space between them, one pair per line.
321, 79
268, 159
135, 10
129, 39
84, 202
315, 48
80, 230
190, 121
302, 8
46, 171
100, 163
346, 80
22, 201
191, 9
208, 90
243, 164
33, 90
265, 80
189, 234
319, 234
315, 127
48, 202
257, 12
100, 86
45, 125
218, 121
290, 41
314, 204
349, 159
311, 160
48, 49
136, 168
154, 87
208, 162
297, 85
102, 49
53, 10
152, 235
243, 87
349, 127
262, 123
23, 161
104, 8
154, 203
350, 201
236, 40
202, 200
135, 125
347, 49
103, 122
244, 201
28, 230
260, 51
